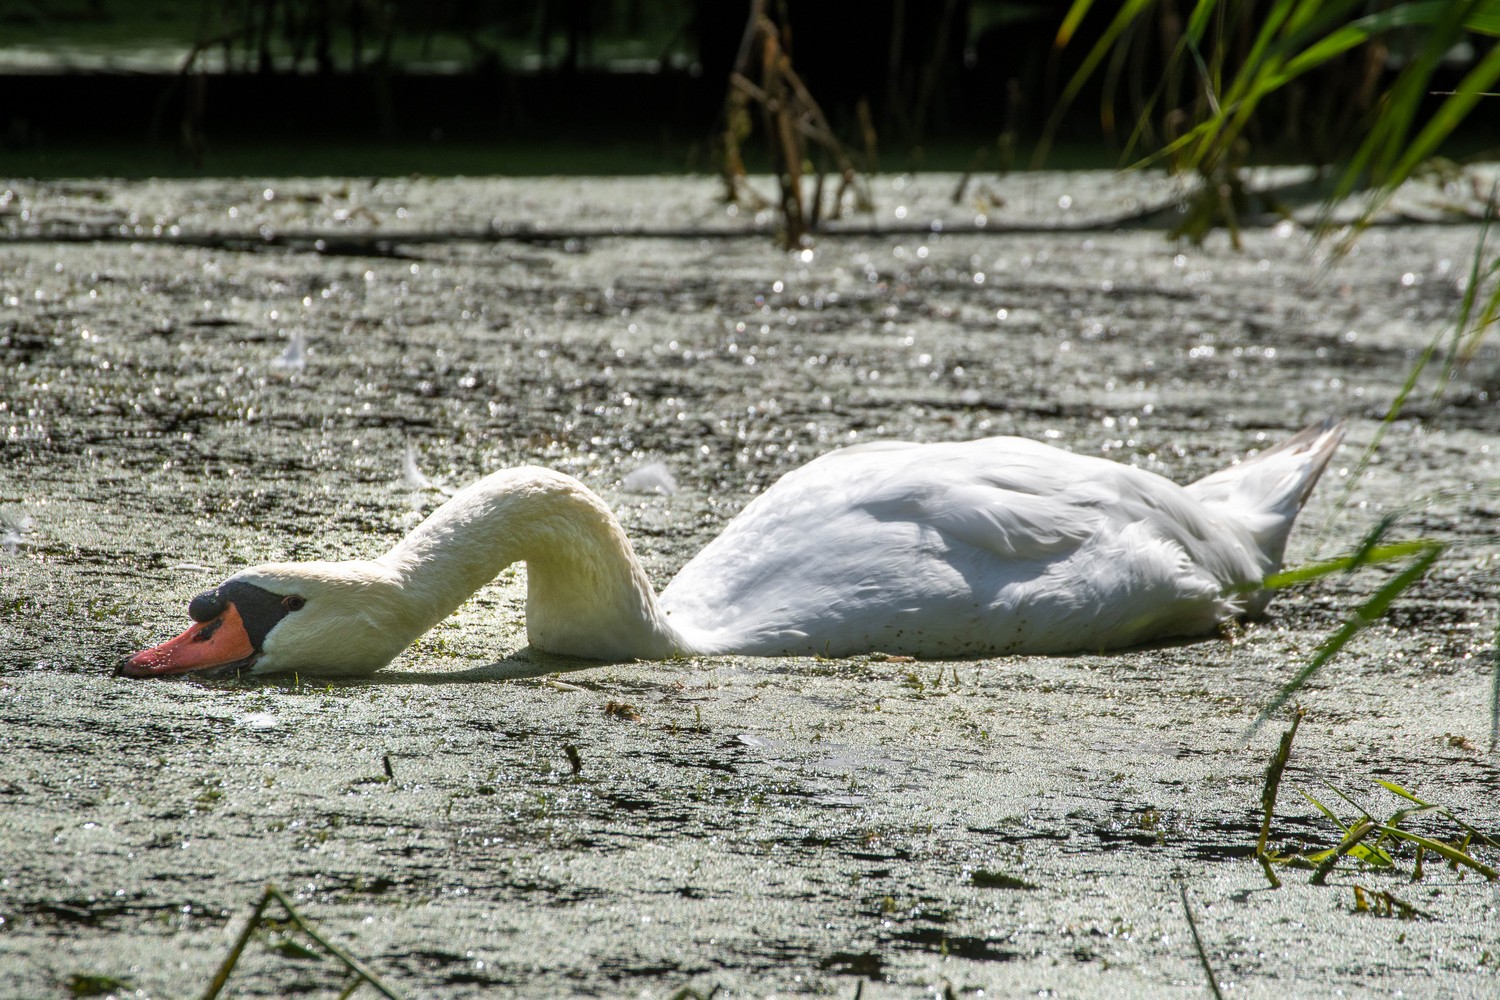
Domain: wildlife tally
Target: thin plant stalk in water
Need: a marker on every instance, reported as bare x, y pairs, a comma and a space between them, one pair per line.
1422, 553
1208, 970
1478, 313
359, 972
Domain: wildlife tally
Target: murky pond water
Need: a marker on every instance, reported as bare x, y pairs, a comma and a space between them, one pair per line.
176, 406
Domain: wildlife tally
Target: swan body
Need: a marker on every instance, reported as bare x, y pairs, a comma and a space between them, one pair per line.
996, 546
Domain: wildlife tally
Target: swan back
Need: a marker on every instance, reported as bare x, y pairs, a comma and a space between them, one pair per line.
1000, 545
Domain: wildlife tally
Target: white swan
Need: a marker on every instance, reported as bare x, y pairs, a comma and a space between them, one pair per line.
937, 550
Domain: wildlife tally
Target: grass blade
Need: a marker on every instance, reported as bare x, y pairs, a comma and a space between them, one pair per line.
1327, 812
1389, 155
1438, 847
1391, 413
353, 964
1076, 13
358, 969
1359, 831
1447, 117
1274, 772
1391, 786
1208, 970
1373, 607
1461, 323
233, 958
1130, 11
1372, 556
1495, 696
1466, 332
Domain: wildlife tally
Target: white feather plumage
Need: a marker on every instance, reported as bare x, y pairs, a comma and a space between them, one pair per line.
996, 546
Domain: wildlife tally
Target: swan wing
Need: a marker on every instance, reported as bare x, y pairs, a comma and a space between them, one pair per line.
987, 546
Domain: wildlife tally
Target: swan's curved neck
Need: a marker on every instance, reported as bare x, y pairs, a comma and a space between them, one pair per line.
587, 594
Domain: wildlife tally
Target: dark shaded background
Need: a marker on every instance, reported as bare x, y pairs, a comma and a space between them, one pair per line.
601, 85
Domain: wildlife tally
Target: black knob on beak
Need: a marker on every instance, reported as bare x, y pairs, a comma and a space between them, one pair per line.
207, 606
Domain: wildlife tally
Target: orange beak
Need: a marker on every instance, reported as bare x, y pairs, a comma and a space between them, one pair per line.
218, 644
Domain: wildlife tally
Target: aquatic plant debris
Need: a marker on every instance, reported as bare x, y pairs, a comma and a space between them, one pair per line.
1355, 833
1384, 903
272, 894
93, 984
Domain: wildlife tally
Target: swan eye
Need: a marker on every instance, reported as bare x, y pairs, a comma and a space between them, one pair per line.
293, 602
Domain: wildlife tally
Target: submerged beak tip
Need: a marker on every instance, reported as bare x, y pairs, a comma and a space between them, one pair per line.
141, 664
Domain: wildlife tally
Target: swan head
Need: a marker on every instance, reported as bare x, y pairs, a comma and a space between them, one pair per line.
322, 619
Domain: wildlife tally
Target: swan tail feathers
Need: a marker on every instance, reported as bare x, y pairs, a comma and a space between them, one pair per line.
1266, 491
